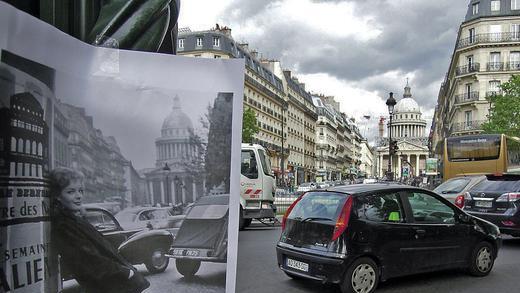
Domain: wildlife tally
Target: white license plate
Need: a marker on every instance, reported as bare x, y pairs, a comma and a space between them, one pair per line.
484, 204
185, 252
298, 265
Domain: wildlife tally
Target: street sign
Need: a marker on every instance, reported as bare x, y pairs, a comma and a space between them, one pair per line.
431, 166
406, 171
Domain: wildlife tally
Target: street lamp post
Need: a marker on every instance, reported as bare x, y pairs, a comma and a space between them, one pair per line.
284, 108
167, 169
390, 102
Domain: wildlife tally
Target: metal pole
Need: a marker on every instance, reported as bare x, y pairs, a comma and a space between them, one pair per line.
282, 160
389, 173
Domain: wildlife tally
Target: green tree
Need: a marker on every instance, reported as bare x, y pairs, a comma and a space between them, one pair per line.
249, 125
504, 113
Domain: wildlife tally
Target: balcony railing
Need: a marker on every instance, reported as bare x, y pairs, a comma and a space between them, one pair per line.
513, 65
473, 67
493, 93
466, 97
488, 38
471, 125
495, 66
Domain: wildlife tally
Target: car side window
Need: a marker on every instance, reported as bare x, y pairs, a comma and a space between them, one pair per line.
100, 221
384, 208
144, 216
427, 209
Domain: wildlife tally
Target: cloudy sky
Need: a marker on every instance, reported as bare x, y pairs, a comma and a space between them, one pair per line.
356, 50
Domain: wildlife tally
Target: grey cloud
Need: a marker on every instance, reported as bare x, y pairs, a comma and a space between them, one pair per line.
418, 36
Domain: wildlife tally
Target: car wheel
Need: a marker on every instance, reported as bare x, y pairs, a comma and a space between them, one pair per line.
362, 276
158, 262
247, 222
241, 220
482, 259
187, 267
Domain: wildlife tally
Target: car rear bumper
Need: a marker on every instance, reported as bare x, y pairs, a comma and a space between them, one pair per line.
320, 268
258, 213
508, 224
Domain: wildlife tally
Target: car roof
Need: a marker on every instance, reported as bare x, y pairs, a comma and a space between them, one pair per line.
362, 188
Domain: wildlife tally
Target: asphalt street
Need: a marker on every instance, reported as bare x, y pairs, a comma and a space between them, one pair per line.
258, 272
211, 278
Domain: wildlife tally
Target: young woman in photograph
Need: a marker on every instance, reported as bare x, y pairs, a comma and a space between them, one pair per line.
91, 259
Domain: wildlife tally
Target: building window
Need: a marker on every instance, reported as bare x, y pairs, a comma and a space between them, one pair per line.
217, 56
495, 5
515, 4
196, 56
514, 60
495, 32
515, 31
468, 117
181, 43
475, 8
494, 86
199, 41
472, 35
216, 42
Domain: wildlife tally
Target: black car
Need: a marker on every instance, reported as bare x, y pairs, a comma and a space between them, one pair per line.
138, 246
358, 235
202, 236
496, 199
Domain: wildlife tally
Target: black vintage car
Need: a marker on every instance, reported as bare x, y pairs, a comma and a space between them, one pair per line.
202, 236
138, 246
359, 235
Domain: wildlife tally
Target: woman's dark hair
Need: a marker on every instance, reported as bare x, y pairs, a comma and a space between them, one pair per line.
61, 177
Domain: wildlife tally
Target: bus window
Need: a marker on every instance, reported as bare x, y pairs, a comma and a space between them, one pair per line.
248, 166
473, 148
513, 154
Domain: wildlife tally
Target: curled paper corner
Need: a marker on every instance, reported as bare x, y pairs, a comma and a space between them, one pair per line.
108, 56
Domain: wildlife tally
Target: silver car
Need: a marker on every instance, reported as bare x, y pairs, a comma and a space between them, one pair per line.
456, 186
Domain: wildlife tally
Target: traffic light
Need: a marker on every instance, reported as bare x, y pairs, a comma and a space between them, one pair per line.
393, 147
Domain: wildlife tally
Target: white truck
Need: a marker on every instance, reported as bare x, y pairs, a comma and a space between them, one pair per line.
257, 185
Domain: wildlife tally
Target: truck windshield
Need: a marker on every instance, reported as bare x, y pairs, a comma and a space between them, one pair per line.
266, 165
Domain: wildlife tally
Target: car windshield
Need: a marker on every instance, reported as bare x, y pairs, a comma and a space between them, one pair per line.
207, 212
126, 216
452, 186
319, 205
496, 184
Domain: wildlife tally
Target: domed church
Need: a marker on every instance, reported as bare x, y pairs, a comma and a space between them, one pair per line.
409, 129
173, 181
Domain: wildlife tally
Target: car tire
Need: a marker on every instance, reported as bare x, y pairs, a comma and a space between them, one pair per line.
241, 220
361, 276
187, 267
247, 222
157, 262
482, 259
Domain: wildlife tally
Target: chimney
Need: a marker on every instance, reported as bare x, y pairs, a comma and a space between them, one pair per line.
254, 53
244, 46
381, 127
226, 31
288, 72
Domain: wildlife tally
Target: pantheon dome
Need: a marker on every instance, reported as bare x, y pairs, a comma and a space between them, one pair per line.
407, 118
175, 145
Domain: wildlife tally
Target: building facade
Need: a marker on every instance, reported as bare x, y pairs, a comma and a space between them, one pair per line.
284, 110
409, 130
486, 54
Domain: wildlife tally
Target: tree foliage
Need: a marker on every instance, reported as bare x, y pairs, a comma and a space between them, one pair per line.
249, 125
504, 113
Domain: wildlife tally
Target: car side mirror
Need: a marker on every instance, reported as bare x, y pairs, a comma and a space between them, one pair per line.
464, 218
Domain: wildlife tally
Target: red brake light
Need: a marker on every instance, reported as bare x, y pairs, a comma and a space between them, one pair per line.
288, 212
459, 201
514, 196
343, 219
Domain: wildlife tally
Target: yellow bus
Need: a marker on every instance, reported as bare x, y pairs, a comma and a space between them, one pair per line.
480, 154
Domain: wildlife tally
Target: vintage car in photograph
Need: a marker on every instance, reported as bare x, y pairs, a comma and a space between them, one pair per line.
149, 217
138, 246
359, 235
202, 236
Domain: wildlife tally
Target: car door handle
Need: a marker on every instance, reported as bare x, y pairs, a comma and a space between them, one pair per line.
419, 233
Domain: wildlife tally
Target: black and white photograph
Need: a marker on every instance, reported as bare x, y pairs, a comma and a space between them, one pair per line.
116, 171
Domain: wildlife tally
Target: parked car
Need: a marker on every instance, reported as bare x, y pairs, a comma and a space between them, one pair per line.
202, 236
307, 186
456, 186
147, 247
359, 235
496, 199
149, 217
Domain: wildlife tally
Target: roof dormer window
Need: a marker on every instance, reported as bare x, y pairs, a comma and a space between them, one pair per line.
515, 4
495, 5
199, 41
216, 42
475, 8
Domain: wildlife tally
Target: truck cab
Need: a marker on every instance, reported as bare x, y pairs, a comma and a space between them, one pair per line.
257, 185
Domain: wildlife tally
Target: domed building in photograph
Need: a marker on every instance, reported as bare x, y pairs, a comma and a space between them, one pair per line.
409, 130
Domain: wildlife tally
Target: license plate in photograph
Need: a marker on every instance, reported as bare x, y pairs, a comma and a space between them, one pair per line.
297, 265
484, 204
185, 252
